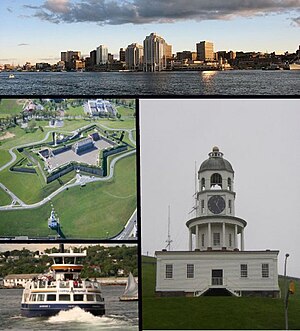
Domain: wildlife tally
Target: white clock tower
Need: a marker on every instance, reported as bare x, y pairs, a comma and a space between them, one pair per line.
216, 262
215, 226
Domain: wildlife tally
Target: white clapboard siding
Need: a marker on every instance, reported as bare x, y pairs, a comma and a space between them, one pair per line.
205, 262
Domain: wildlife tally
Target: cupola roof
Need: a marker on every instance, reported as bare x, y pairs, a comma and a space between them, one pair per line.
216, 162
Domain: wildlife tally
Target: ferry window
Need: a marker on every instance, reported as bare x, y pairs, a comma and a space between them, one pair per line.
58, 260
33, 297
64, 297
69, 260
89, 297
51, 297
98, 297
78, 297
41, 297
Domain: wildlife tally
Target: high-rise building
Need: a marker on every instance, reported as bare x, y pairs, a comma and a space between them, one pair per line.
122, 55
205, 51
156, 52
93, 56
70, 56
102, 55
134, 57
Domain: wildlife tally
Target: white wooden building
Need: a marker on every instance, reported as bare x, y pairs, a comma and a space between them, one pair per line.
216, 262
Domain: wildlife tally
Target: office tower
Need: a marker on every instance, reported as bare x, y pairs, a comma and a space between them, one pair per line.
102, 55
93, 56
156, 51
134, 57
122, 55
205, 51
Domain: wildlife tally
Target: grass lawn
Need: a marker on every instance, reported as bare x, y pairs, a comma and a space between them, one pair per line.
97, 210
11, 107
125, 111
213, 312
5, 199
74, 111
119, 124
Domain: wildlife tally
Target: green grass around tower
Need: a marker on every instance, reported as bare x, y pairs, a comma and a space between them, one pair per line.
97, 210
227, 313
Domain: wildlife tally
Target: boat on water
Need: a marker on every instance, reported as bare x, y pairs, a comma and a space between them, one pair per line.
62, 288
131, 292
11, 76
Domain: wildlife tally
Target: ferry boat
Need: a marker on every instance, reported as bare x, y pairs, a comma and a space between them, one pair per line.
62, 289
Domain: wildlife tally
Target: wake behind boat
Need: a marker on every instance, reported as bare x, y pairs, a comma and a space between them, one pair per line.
131, 290
62, 289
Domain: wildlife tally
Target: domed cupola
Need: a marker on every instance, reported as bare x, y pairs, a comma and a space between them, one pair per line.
215, 225
216, 162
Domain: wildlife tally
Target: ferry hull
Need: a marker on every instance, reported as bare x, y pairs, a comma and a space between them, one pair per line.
44, 310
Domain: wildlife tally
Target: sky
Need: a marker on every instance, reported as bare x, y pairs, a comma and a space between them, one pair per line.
38, 30
260, 138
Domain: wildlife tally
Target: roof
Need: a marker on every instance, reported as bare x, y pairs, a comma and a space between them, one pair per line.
216, 162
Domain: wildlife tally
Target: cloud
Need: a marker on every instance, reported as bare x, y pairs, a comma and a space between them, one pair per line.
157, 11
23, 44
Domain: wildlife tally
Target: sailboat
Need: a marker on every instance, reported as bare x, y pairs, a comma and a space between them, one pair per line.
131, 292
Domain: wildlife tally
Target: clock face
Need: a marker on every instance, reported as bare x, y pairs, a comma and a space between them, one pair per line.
216, 204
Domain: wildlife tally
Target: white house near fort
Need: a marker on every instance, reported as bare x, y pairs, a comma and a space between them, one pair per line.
216, 262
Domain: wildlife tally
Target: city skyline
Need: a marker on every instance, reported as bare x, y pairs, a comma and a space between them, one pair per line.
37, 31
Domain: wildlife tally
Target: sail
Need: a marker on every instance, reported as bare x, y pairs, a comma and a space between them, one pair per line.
131, 289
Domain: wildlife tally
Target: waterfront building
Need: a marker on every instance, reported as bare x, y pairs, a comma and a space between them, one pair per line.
93, 57
134, 57
216, 262
156, 52
18, 280
205, 51
102, 55
70, 57
122, 55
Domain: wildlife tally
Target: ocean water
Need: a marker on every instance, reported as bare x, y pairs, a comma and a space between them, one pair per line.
119, 316
234, 82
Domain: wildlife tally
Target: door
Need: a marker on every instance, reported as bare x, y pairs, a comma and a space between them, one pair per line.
217, 277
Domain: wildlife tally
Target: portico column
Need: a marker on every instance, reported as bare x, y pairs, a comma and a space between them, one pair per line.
224, 235
190, 239
242, 239
209, 234
197, 237
235, 237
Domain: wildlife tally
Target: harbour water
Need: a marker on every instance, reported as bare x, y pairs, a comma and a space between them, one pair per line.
233, 82
119, 316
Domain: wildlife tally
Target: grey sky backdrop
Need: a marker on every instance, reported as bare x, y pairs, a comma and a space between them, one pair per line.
260, 138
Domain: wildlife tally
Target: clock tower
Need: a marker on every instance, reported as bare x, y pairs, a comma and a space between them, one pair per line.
215, 226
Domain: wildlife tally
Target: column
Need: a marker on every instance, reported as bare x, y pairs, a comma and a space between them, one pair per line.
235, 237
209, 235
197, 237
224, 235
190, 239
242, 239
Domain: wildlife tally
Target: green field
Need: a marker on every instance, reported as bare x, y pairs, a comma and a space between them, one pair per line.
227, 313
10, 107
97, 210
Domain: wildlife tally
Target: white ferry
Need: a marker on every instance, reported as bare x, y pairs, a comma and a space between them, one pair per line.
62, 289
